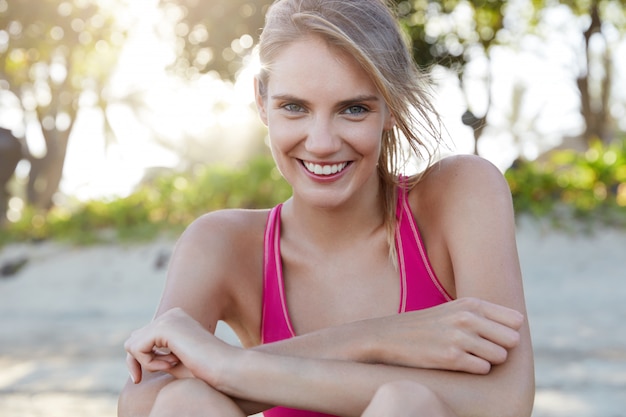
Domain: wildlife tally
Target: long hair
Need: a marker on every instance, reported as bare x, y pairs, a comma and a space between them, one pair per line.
368, 31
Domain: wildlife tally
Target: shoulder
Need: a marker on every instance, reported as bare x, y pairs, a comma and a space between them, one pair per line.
464, 209
464, 170
217, 255
223, 241
460, 182
462, 197
226, 227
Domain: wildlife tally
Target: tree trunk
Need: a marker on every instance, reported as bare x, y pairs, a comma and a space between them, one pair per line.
46, 172
595, 110
10, 156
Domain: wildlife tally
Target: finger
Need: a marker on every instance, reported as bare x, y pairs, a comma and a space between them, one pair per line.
161, 350
503, 315
165, 354
134, 369
149, 361
483, 337
499, 334
475, 365
171, 359
464, 360
488, 351
491, 341
156, 365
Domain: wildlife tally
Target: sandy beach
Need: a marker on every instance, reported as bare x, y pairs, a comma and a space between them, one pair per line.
66, 313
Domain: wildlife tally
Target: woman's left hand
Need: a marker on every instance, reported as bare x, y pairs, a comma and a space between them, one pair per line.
173, 343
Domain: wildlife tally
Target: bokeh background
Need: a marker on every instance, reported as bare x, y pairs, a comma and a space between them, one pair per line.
123, 120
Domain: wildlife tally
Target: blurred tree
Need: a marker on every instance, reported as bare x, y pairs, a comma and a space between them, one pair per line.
10, 156
55, 57
604, 23
442, 34
451, 33
215, 35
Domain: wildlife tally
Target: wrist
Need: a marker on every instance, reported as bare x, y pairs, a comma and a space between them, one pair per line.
215, 362
237, 372
366, 346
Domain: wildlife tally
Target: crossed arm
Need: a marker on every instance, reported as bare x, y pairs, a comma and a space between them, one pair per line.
300, 379
474, 353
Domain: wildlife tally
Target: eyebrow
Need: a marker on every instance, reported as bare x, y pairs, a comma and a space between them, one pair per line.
353, 100
358, 99
289, 97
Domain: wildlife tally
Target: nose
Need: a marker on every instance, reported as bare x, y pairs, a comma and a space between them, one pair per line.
322, 138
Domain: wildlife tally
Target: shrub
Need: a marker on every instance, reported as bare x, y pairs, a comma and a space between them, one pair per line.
589, 186
168, 203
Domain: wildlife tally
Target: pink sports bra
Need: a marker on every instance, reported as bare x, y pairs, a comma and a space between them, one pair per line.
419, 287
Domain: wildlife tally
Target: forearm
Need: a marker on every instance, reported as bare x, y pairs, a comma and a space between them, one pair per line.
344, 342
345, 388
467, 335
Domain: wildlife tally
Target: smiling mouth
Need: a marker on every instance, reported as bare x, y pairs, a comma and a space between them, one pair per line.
330, 169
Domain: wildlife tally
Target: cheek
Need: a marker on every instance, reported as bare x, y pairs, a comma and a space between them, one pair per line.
282, 140
366, 140
282, 134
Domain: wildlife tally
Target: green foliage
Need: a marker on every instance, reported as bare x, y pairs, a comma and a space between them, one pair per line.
568, 186
168, 203
589, 186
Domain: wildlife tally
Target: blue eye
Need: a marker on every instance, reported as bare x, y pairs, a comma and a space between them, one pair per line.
292, 107
356, 110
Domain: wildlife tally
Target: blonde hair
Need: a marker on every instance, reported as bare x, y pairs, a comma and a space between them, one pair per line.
369, 32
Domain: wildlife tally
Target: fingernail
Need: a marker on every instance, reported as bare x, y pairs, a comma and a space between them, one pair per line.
132, 378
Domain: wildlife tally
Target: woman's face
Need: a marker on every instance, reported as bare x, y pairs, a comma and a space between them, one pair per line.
325, 119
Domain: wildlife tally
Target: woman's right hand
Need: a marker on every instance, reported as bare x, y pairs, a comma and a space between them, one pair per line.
177, 344
468, 335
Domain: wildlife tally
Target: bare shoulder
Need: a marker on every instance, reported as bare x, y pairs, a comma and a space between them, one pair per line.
226, 242
218, 240
216, 262
225, 230
463, 171
460, 182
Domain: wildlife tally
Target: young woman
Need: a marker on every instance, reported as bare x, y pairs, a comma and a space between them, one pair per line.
367, 292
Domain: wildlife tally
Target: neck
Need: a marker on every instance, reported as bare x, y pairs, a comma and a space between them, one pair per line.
336, 226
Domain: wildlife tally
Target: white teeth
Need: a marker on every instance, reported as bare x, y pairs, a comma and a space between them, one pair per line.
324, 169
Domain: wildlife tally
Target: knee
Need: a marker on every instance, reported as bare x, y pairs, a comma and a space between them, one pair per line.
405, 398
193, 397
398, 392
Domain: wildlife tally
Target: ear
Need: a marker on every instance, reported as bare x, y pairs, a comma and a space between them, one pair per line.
259, 98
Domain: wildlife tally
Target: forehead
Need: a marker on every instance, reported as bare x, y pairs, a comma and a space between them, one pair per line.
312, 66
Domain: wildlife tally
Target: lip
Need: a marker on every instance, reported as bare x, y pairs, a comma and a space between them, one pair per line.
325, 178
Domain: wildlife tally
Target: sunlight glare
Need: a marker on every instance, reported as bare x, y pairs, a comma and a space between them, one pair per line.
207, 119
